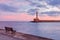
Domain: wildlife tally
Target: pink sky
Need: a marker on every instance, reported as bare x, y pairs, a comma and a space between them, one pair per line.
25, 17
17, 17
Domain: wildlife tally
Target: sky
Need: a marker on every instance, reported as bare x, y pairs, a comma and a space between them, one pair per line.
24, 10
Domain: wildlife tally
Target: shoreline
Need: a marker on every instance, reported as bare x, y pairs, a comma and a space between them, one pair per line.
23, 36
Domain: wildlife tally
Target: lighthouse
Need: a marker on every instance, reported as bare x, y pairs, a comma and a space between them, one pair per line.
36, 15
36, 19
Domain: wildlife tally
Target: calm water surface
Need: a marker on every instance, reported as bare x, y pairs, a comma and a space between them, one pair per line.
44, 29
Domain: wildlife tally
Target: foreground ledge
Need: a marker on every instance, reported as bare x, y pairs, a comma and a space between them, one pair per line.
23, 36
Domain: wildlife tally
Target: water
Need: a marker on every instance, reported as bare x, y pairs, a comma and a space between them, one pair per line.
44, 29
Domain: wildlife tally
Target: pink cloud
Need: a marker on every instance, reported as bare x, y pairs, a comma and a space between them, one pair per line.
3, 1
18, 4
22, 3
14, 3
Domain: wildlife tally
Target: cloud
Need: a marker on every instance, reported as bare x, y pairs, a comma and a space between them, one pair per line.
37, 5
15, 5
53, 2
43, 6
18, 3
3, 1
4, 7
31, 1
51, 13
22, 5
32, 11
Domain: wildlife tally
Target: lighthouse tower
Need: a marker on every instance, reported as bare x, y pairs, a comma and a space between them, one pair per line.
36, 15
36, 19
